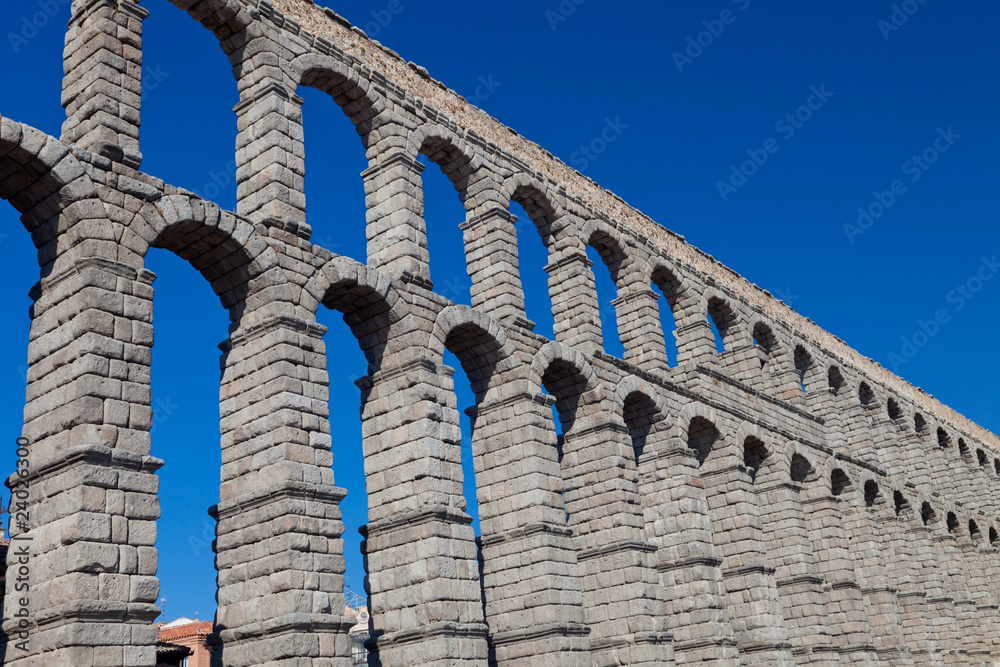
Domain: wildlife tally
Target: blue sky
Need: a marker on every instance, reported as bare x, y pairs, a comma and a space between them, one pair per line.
686, 114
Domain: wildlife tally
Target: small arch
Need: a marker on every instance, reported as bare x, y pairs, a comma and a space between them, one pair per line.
866, 395
996, 466
766, 342
702, 437
872, 493
993, 535
639, 412
952, 523
666, 280
927, 514
755, 454
943, 439
974, 533
839, 482
723, 319
892, 408
835, 380
902, 506
981, 457
803, 363
801, 469
963, 450
919, 423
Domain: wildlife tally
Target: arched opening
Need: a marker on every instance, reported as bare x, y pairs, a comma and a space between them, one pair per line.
702, 436
533, 240
927, 514
981, 457
602, 250
871, 493
993, 535
639, 413
754, 455
974, 533
952, 523
184, 384
444, 211
801, 469
803, 364
669, 284
835, 380
333, 160
996, 467
866, 395
766, 342
919, 424
900, 503
723, 320
839, 482
170, 77
963, 451
943, 439
892, 407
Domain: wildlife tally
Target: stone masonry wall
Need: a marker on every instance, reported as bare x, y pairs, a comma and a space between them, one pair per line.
782, 502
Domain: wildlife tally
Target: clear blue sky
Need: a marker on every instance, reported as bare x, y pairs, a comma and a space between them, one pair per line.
885, 96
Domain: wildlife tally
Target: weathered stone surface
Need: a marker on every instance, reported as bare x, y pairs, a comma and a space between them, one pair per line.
782, 502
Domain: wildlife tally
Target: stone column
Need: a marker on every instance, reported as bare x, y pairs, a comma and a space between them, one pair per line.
102, 86
270, 158
397, 234
940, 602
804, 600
622, 599
640, 329
949, 553
491, 257
752, 593
574, 299
531, 577
278, 547
678, 523
848, 617
424, 579
87, 529
870, 556
909, 578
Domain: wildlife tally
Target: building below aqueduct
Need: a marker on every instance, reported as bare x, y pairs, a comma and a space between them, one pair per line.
785, 501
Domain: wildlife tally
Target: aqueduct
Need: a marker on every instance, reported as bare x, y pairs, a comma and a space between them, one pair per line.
735, 508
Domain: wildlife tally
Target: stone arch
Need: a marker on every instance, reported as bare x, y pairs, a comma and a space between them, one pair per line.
353, 94
542, 205
691, 412
614, 251
241, 267
720, 310
480, 343
641, 409
806, 364
41, 178
464, 168
802, 468
567, 357
835, 380
223, 17
370, 304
